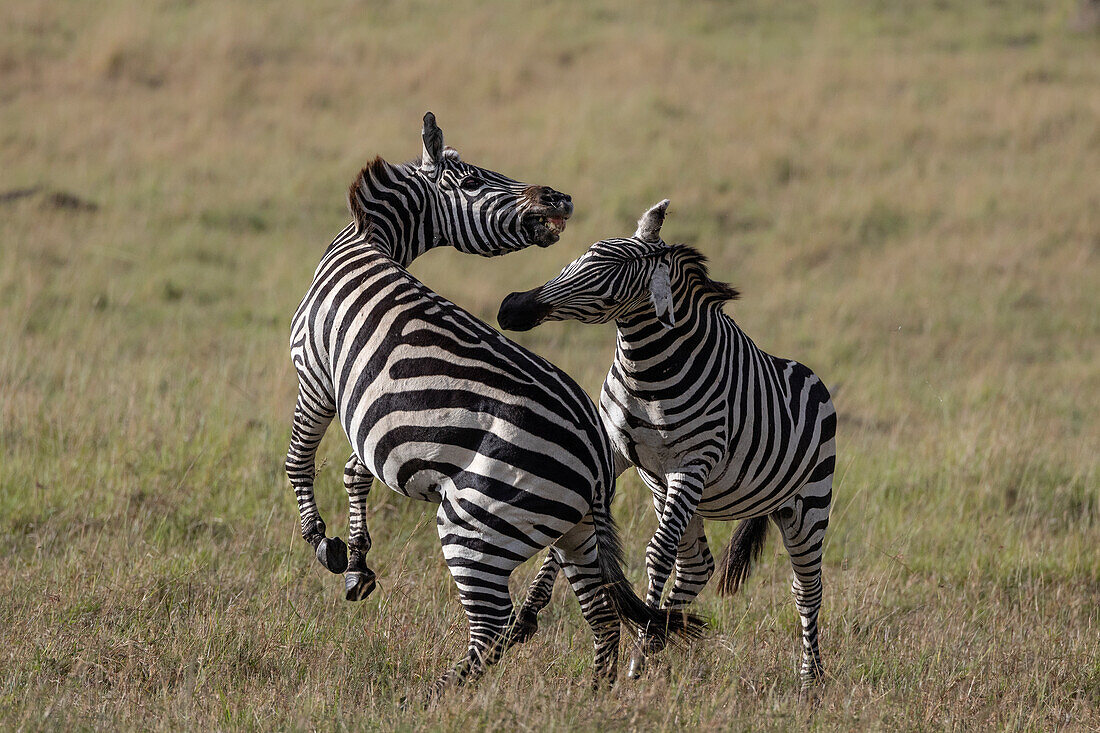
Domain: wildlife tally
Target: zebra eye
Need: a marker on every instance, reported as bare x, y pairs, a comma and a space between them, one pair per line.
471, 182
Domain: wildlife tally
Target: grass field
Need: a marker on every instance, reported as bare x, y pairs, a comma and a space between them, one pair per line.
908, 195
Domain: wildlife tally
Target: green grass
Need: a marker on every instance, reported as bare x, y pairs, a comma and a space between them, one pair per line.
906, 194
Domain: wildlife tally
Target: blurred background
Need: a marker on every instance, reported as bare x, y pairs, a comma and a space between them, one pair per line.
906, 194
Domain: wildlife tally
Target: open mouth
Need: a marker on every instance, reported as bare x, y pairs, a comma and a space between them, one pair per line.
543, 227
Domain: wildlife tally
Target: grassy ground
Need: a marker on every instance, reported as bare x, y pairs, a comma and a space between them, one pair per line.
906, 193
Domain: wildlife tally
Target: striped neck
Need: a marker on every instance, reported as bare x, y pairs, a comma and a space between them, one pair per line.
396, 211
648, 352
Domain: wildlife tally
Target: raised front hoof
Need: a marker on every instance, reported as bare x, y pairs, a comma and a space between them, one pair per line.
333, 554
359, 584
526, 625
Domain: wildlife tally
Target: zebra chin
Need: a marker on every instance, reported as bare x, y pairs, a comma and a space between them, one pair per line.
544, 219
542, 229
521, 311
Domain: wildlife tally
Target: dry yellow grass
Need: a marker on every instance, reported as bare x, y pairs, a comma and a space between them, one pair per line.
906, 193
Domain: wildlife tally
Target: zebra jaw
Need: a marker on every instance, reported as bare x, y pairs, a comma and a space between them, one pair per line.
544, 229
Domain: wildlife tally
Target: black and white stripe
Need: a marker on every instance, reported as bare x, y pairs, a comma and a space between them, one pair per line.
441, 407
717, 428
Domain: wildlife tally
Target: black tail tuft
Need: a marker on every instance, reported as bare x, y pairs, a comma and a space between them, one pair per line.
743, 550
659, 625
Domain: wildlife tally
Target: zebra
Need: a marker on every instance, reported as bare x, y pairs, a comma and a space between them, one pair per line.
717, 428
441, 407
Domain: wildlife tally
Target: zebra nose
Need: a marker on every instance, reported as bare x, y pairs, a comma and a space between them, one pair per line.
521, 312
555, 199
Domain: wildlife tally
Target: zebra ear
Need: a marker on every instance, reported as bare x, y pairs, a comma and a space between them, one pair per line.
660, 294
433, 144
649, 226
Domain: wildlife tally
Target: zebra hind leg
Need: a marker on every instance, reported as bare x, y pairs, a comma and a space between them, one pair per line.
538, 595
311, 419
360, 580
482, 581
803, 522
576, 553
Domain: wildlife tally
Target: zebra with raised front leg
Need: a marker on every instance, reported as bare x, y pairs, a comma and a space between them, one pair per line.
717, 428
438, 200
441, 407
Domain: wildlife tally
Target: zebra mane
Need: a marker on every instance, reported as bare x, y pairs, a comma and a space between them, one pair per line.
360, 188
359, 193
694, 264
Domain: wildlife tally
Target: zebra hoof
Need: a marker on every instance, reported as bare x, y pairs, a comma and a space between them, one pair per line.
333, 554
359, 584
526, 626
637, 666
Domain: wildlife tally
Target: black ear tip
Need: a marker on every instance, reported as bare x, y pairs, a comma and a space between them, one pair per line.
429, 119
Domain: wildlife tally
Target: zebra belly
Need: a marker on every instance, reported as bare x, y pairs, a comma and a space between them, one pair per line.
423, 455
745, 488
737, 488
721, 502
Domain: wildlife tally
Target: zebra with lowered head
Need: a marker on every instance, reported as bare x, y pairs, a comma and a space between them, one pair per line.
717, 428
441, 407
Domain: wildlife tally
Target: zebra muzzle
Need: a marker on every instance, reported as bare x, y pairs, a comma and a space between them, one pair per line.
544, 221
522, 311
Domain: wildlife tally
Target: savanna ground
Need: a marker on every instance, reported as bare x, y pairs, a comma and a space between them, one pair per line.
906, 193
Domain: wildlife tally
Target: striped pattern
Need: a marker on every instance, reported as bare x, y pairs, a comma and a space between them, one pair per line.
441, 407
717, 428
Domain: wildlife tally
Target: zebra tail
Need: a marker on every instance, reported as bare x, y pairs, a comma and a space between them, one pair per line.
743, 550
660, 625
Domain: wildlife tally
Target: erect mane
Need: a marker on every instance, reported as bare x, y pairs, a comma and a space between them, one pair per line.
359, 191
694, 264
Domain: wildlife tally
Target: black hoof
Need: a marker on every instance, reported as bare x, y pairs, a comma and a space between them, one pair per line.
525, 627
358, 585
333, 554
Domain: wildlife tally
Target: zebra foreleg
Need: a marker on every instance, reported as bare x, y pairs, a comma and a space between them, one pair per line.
675, 512
803, 521
538, 595
311, 419
359, 580
694, 565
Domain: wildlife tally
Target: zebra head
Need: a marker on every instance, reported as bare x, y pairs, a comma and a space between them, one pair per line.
613, 278
619, 279
484, 212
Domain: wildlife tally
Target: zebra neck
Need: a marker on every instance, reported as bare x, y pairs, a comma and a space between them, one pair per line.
647, 352
395, 211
